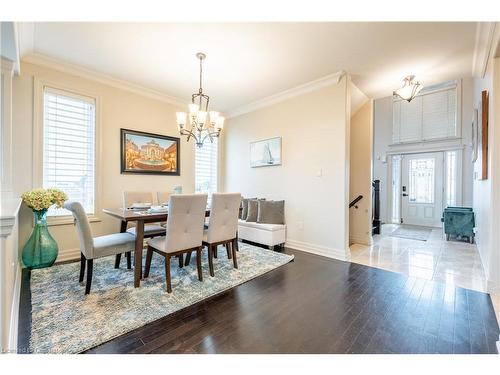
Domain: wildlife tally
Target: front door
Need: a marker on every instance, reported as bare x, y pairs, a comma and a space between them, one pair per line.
422, 189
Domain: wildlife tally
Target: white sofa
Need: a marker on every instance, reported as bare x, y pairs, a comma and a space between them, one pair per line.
265, 234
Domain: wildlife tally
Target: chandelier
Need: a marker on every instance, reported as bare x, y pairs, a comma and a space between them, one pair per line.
410, 89
203, 124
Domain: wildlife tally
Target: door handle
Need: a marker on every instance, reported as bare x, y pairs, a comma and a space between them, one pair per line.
405, 195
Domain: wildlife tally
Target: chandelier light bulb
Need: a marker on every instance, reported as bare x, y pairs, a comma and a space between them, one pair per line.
219, 124
181, 119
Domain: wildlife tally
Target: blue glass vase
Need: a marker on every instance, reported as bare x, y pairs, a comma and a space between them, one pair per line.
41, 249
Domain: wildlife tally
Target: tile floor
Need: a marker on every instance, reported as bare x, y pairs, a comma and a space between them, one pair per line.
450, 262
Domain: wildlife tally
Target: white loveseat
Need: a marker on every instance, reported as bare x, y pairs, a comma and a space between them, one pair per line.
265, 234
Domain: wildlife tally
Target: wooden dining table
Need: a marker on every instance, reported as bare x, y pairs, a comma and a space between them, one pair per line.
140, 218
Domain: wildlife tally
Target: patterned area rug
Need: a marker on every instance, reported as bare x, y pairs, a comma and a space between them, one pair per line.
64, 320
412, 232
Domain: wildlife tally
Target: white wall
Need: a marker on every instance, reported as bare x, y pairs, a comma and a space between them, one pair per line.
361, 139
383, 140
486, 196
313, 179
118, 109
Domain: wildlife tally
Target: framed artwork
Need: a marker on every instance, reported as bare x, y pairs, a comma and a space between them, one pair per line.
147, 153
480, 137
265, 153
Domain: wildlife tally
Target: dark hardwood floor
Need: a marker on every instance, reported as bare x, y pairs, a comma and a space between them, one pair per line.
318, 305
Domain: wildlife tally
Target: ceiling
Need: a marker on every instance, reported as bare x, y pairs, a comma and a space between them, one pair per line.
250, 61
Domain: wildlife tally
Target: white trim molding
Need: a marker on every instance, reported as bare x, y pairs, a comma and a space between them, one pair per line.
331, 79
487, 38
325, 251
79, 71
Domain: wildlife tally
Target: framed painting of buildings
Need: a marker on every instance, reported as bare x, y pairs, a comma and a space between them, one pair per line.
147, 153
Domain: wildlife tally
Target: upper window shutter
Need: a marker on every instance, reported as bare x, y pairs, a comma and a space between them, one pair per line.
69, 147
411, 120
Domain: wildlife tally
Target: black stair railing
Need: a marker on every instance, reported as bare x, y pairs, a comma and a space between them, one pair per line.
376, 207
355, 200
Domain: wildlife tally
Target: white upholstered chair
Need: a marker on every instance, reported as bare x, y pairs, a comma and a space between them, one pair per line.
222, 227
131, 197
96, 247
184, 233
162, 197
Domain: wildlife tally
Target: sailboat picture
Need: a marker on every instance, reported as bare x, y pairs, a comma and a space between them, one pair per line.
265, 153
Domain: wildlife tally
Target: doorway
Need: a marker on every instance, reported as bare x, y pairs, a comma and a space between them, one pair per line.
422, 187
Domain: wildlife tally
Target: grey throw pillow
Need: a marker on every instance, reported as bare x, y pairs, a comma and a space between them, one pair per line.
244, 206
253, 207
271, 212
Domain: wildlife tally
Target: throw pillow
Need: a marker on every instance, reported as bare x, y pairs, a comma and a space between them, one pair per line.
244, 205
271, 212
252, 210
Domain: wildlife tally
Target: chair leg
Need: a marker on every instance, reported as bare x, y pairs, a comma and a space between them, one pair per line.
167, 274
117, 260
211, 260
228, 250
198, 263
82, 267
129, 260
90, 266
188, 259
181, 260
215, 251
149, 256
235, 261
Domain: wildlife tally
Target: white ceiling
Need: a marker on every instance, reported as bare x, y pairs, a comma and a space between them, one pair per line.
249, 61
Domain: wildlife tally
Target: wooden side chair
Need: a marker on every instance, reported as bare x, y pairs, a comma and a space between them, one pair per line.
96, 247
222, 227
184, 233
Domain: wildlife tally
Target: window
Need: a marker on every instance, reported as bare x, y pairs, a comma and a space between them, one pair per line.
422, 180
206, 159
452, 191
396, 188
431, 115
69, 147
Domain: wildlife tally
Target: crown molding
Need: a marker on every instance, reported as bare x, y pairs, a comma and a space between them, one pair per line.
79, 71
331, 79
487, 38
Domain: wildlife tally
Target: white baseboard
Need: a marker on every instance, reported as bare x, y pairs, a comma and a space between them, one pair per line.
361, 240
68, 254
14, 312
325, 251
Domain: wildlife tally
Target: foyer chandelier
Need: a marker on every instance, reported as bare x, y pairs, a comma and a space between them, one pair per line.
203, 123
410, 89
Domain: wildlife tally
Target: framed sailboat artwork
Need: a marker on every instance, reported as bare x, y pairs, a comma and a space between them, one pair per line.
265, 153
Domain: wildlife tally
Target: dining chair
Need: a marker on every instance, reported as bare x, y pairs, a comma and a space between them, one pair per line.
96, 247
162, 197
184, 233
222, 227
150, 230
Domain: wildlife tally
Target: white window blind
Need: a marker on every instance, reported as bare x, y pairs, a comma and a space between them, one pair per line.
206, 159
430, 116
69, 147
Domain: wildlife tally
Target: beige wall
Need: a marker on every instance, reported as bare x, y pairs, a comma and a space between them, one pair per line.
313, 177
361, 174
118, 108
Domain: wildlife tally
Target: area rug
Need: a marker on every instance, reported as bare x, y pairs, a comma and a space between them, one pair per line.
65, 320
412, 232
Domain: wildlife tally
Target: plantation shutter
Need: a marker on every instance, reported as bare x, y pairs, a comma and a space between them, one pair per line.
429, 116
206, 162
69, 147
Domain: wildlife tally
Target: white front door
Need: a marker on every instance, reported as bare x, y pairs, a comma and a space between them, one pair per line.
422, 189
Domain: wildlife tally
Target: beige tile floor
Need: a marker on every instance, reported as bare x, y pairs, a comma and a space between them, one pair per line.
436, 259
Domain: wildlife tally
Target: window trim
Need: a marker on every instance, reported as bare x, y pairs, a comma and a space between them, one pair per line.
38, 105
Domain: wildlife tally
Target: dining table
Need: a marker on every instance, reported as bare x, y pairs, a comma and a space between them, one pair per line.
140, 217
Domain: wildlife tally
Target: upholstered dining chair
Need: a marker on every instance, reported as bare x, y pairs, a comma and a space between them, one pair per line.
96, 247
184, 233
150, 230
222, 227
162, 197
